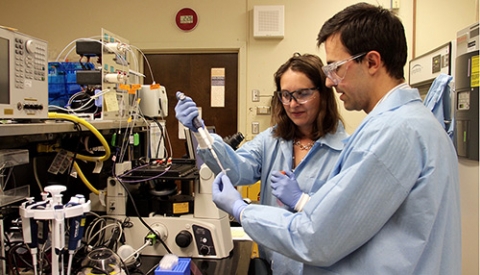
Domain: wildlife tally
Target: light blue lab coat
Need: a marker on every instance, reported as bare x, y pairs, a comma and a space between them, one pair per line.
390, 206
438, 100
256, 159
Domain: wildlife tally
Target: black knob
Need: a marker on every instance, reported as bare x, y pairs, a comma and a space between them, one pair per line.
204, 250
183, 239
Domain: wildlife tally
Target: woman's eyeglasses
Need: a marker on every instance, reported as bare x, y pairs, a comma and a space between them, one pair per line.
301, 96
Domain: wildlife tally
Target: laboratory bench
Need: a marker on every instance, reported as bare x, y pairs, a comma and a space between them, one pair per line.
26, 135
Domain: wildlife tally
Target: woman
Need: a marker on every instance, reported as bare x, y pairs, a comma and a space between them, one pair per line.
304, 142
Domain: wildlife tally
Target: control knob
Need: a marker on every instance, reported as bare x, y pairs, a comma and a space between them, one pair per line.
30, 46
204, 250
183, 239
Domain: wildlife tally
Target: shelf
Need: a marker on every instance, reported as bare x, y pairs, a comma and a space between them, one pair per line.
51, 126
14, 195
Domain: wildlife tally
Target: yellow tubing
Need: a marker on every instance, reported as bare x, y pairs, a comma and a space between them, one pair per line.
84, 157
84, 179
92, 129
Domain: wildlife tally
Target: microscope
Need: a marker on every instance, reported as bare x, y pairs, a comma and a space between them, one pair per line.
204, 234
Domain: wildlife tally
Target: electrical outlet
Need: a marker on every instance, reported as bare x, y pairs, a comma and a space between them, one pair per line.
255, 128
264, 110
255, 95
395, 4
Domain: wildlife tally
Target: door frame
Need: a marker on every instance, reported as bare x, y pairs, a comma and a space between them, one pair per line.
238, 47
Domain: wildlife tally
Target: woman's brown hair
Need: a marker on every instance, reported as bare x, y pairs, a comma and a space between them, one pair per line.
328, 116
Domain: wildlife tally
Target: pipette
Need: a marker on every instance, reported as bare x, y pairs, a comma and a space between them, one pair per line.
201, 130
30, 230
58, 234
77, 225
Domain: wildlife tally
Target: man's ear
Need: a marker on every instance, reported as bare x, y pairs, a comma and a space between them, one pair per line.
374, 61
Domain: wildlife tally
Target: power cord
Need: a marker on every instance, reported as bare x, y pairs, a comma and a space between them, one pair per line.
140, 216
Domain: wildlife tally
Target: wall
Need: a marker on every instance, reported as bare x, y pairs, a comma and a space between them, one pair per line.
303, 20
226, 25
443, 17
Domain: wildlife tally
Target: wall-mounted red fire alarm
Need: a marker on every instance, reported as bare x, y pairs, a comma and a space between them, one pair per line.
186, 19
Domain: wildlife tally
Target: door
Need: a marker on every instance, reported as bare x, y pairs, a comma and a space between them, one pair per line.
191, 74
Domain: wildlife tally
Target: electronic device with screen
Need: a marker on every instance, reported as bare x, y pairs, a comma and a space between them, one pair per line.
23, 76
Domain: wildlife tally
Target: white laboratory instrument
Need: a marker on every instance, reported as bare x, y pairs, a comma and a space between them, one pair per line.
203, 234
23, 77
426, 67
154, 101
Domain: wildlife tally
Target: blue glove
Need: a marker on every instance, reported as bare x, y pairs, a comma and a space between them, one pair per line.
226, 197
185, 111
285, 188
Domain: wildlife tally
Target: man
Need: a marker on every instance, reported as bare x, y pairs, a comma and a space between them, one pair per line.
391, 204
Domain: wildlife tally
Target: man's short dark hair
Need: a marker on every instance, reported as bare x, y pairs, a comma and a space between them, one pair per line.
364, 27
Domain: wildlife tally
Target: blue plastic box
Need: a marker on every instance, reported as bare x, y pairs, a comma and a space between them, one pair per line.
182, 268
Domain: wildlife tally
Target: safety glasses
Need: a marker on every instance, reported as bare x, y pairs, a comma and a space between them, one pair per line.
331, 69
301, 96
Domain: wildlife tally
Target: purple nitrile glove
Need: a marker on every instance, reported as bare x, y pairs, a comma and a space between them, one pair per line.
186, 111
285, 188
226, 197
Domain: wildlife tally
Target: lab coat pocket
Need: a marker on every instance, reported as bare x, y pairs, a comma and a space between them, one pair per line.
310, 180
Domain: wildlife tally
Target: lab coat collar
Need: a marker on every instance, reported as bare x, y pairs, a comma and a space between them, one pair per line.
398, 96
336, 140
